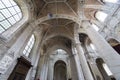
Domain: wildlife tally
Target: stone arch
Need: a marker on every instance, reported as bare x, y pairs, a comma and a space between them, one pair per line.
55, 35
91, 55
61, 16
86, 43
83, 37
69, 60
22, 4
64, 42
66, 57
115, 44
106, 73
51, 36
12, 31
60, 70
55, 47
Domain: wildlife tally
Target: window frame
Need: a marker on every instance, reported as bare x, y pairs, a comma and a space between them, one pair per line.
29, 45
108, 1
10, 18
98, 17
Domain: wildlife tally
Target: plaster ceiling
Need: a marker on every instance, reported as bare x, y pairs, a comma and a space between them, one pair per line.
46, 7
61, 31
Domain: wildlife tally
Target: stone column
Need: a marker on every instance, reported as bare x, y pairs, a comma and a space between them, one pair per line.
105, 51
14, 52
42, 68
79, 71
43, 75
46, 71
32, 72
68, 70
83, 61
51, 69
39, 68
35, 67
82, 58
34, 56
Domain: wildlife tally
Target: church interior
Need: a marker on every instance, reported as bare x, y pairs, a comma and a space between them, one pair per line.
59, 39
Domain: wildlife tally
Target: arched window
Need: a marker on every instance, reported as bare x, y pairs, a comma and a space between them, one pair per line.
60, 70
95, 27
101, 16
29, 46
92, 46
104, 69
92, 49
10, 14
60, 51
111, 1
115, 45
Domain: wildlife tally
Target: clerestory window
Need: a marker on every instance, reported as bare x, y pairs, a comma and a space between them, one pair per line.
92, 46
101, 16
10, 14
29, 46
111, 1
106, 68
95, 27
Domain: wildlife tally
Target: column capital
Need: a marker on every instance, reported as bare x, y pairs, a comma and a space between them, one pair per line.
77, 43
76, 38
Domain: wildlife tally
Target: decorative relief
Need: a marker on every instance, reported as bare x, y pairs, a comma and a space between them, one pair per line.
11, 54
6, 61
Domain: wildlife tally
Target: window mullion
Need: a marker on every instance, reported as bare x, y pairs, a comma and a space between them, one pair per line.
9, 10
10, 14
2, 27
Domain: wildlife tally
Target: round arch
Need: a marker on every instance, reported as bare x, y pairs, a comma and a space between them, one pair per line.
58, 45
55, 47
114, 44
60, 70
103, 68
58, 35
12, 31
56, 16
62, 16
68, 58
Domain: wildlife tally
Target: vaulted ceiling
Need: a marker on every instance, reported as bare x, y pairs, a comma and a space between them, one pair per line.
60, 31
69, 7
